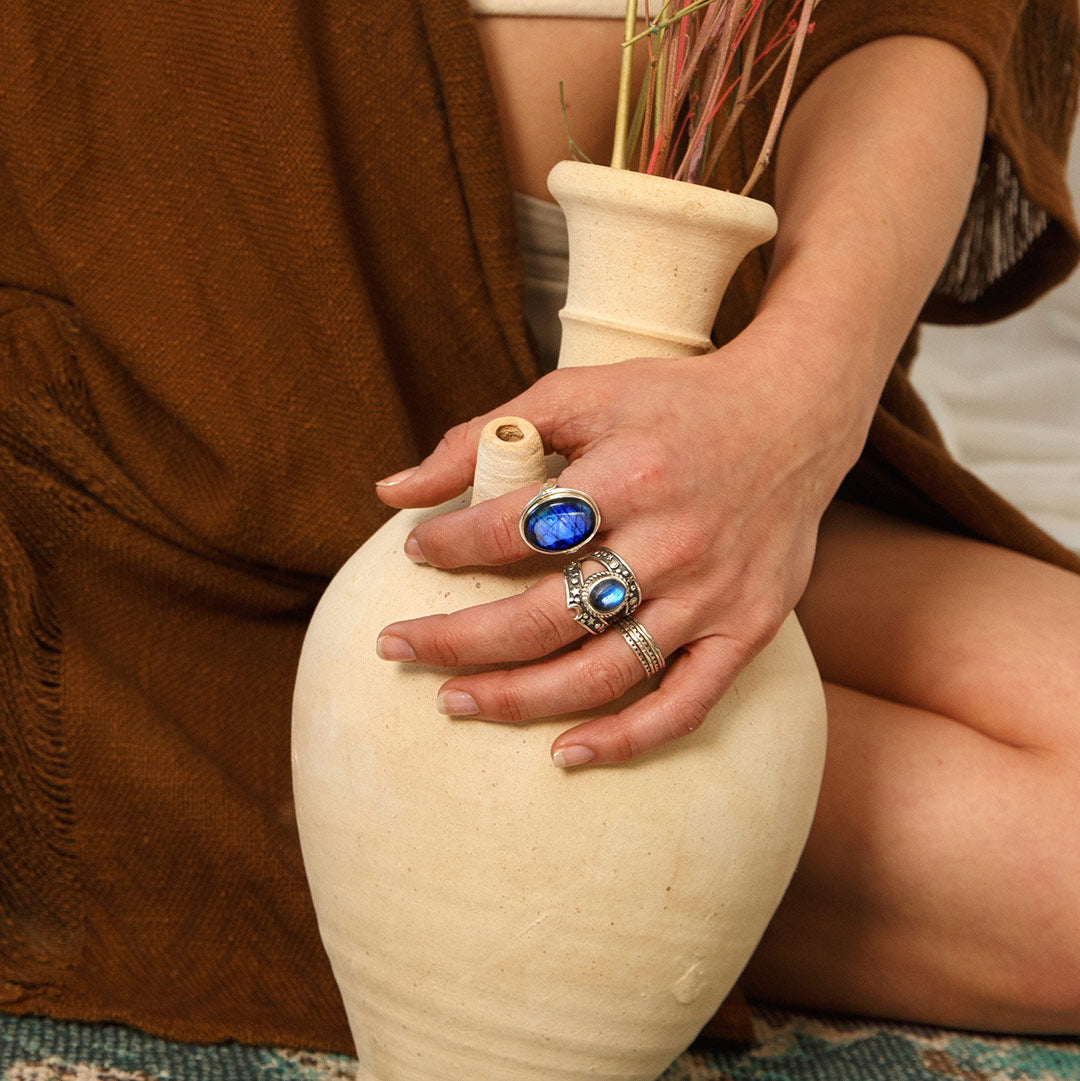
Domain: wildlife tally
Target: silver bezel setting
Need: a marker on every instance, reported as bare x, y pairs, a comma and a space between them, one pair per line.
578, 588
551, 493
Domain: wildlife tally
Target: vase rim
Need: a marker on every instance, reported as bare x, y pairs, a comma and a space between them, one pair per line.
588, 182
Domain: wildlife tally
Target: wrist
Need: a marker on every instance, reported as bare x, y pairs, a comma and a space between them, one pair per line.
822, 368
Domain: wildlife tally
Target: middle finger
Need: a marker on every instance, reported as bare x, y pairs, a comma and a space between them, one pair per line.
538, 618
531, 624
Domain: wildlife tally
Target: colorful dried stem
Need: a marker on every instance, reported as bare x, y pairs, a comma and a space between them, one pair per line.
785, 93
626, 78
704, 63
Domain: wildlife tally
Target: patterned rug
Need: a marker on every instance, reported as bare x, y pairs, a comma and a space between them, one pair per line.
790, 1047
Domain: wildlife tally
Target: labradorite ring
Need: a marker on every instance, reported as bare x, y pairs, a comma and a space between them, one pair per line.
558, 520
604, 597
641, 642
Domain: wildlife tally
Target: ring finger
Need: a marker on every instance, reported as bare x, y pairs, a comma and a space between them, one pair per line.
603, 669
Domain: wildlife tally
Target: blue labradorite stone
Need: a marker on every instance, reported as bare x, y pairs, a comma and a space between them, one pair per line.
563, 523
607, 596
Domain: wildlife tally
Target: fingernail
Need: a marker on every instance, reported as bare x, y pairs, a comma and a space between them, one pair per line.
392, 648
396, 478
456, 704
412, 550
574, 755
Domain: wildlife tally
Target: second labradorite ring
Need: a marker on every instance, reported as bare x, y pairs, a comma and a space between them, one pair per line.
605, 597
558, 520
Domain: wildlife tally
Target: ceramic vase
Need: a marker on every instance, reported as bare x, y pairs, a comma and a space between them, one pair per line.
488, 916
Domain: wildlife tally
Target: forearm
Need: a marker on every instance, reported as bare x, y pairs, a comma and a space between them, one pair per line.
874, 172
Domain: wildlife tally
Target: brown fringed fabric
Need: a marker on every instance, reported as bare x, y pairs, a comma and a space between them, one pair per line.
252, 257
39, 895
1019, 236
249, 262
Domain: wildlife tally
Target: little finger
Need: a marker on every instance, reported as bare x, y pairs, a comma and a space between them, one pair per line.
694, 683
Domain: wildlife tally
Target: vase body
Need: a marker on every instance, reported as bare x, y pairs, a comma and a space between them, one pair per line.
487, 915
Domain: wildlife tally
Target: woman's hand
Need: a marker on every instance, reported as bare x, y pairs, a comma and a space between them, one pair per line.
712, 472
711, 480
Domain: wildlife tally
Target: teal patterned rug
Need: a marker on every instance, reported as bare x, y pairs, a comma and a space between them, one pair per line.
789, 1047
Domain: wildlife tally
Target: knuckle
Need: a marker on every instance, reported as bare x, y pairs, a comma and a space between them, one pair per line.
603, 679
505, 702
454, 441
689, 714
684, 715
763, 624
649, 468
742, 650
539, 630
499, 540
687, 546
622, 747
446, 645
459, 442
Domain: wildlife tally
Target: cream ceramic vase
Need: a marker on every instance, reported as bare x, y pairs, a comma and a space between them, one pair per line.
488, 916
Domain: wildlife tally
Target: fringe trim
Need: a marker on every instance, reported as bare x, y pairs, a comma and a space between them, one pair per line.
40, 905
39, 887
1003, 224
999, 229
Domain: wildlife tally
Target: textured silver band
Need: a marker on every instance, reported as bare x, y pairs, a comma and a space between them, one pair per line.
641, 642
579, 590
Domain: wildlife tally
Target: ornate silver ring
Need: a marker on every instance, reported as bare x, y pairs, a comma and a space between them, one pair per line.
558, 520
604, 597
641, 642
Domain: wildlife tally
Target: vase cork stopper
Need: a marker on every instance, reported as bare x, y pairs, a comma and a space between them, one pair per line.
510, 456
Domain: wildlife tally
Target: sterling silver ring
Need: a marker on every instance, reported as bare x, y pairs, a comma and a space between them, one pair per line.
604, 597
558, 520
641, 642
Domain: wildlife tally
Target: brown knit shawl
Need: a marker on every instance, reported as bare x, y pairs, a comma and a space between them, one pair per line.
255, 254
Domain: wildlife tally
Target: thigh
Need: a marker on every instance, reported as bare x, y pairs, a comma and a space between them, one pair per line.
939, 883
967, 630
941, 879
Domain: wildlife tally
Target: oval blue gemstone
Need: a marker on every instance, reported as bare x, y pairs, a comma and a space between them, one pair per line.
563, 523
607, 595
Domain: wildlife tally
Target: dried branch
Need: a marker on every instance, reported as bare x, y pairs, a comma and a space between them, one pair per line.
705, 62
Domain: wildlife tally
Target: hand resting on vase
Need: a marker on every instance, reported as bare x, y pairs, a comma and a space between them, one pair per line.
712, 472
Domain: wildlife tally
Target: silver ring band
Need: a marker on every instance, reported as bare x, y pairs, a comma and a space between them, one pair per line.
604, 597
641, 642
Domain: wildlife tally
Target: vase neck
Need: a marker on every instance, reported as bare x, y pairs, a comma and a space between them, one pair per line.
649, 258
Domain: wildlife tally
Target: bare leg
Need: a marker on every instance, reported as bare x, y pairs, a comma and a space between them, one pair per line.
941, 882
